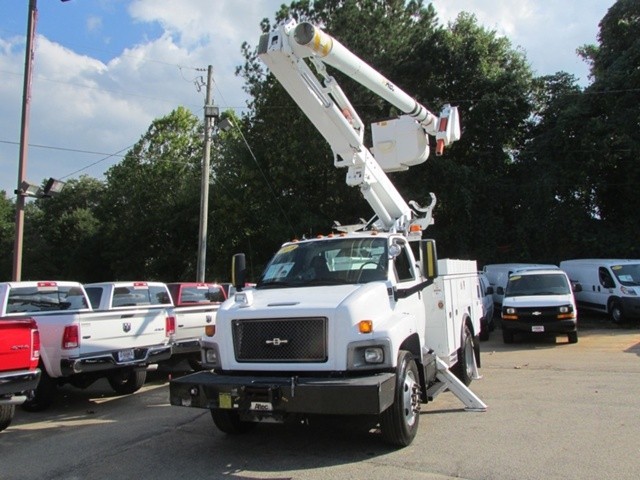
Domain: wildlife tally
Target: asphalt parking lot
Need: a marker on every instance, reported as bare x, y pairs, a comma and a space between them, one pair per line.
555, 411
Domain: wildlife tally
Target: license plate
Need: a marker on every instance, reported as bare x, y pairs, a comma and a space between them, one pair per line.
262, 406
537, 328
125, 355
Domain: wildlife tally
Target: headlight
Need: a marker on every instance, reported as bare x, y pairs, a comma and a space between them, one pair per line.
374, 355
510, 311
566, 309
211, 356
628, 291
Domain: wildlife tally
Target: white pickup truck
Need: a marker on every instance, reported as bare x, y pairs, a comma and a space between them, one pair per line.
79, 344
194, 307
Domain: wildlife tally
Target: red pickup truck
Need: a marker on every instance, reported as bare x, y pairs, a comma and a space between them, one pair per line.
19, 372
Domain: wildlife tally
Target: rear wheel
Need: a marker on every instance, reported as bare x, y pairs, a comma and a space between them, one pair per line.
44, 394
126, 381
399, 422
6, 415
465, 366
228, 421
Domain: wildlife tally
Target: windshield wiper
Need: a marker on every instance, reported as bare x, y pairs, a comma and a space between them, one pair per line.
277, 284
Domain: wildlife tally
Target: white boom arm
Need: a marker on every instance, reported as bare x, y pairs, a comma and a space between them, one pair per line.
398, 144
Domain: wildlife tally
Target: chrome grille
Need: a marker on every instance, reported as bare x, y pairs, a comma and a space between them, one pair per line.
280, 340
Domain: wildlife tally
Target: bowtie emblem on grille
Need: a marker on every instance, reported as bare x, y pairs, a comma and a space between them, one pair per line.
276, 342
126, 327
536, 313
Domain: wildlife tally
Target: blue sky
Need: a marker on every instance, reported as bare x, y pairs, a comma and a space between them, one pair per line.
105, 69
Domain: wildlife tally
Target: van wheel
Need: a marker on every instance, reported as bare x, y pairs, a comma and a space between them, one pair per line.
126, 381
463, 369
573, 337
6, 415
507, 336
615, 310
399, 422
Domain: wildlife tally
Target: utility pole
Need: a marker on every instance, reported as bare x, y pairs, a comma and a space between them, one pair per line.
210, 114
24, 142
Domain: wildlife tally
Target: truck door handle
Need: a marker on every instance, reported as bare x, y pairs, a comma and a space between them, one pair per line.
128, 315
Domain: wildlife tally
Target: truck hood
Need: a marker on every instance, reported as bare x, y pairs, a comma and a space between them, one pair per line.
310, 299
538, 301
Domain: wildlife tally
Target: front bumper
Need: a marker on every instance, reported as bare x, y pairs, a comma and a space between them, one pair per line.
143, 356
555, 326
274, 396
18, 382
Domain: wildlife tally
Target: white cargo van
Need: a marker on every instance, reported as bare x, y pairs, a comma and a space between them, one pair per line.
611, 286
540, 301
498, 275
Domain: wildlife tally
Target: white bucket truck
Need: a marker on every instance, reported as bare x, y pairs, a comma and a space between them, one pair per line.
355, 323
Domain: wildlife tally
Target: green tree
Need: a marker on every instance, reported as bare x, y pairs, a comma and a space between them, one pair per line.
62, 234
580, 167
150, 209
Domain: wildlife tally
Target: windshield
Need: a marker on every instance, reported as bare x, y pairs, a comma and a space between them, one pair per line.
628, 275
539, 284
327, 262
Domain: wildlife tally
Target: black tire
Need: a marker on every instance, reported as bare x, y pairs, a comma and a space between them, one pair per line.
507, 336
44, 394
228, 421
195, 362
485, 329
615, 310
399, 423
6, 415
126, 381
573, 337
463, 369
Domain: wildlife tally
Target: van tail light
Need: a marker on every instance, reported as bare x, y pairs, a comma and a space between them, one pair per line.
170, 325
35, 341
70, 337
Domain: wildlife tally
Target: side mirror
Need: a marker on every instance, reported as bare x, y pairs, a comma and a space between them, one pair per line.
489, 291
429, 258
500, 291
238, 271
576, 287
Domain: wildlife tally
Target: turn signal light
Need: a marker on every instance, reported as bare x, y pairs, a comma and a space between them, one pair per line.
210, 330
365, 326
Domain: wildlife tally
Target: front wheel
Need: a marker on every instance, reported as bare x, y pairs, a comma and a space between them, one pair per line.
572, 337
228, 421
399, 422
126, 381
6, 415
615, 311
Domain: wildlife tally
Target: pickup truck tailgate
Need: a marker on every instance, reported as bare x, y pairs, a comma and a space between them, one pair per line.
117, 330
16, 344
